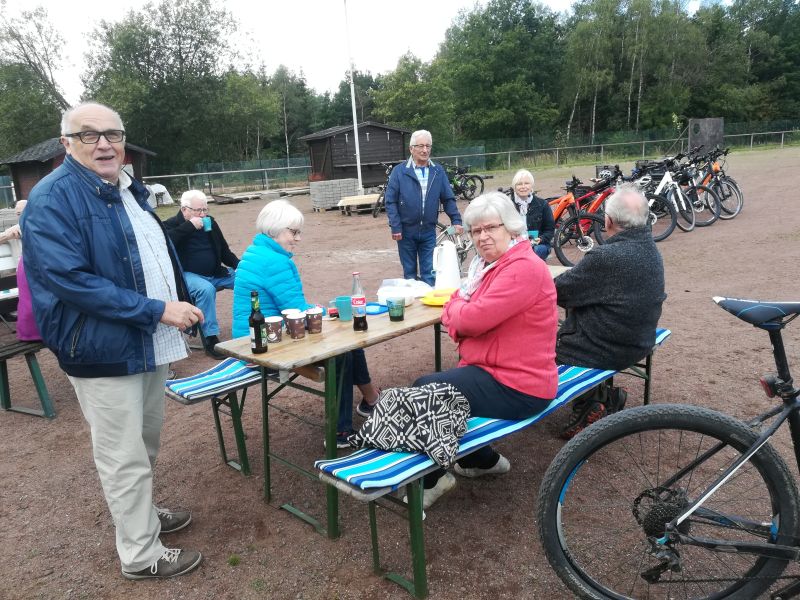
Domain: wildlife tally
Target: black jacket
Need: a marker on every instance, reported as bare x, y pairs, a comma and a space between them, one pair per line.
179, 231
613, 299
540, 218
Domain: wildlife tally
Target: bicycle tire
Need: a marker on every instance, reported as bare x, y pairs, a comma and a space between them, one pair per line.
376, 210
684, 208
730, 196
663, 218
600, 498
575, 237
473, 186
706, 205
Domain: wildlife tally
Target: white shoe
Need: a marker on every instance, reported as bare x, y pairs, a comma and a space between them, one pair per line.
502, 466
446, 483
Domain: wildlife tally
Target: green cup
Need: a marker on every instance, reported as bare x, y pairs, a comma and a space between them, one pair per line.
397, 308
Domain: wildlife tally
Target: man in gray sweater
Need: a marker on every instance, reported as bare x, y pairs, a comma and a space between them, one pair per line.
613, 298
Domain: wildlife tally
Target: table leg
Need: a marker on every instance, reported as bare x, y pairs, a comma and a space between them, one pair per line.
331, 417
265, 434
437, 347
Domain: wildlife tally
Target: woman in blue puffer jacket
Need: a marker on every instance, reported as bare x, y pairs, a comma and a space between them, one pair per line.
267, 268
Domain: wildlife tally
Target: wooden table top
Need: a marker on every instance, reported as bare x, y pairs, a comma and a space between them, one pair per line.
337, 337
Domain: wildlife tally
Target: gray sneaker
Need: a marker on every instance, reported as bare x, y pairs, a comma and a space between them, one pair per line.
502, 467
172, 563
173, 520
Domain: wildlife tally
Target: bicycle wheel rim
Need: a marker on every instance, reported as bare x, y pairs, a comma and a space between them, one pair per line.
615, 474
730, 199
662, 217
576, 236
684, 209
706, 205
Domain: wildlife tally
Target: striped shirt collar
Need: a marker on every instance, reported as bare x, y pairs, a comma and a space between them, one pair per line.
411, 164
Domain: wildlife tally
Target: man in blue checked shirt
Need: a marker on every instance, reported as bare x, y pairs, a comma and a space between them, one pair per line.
413, 195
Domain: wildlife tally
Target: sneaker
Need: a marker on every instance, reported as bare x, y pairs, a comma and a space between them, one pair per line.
364, 409
445, 484
341, 440
173, 520
172, 563
617, 398
591, 413
210, 342
502, 466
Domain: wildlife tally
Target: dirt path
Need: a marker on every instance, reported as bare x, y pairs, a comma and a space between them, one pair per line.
56, 538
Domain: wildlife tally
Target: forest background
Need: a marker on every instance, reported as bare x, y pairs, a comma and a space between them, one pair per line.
605, 71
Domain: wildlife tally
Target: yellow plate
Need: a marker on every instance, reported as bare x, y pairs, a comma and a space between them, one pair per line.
437, 297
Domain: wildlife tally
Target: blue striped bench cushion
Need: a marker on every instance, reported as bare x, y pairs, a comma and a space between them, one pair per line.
370, 468
226, 376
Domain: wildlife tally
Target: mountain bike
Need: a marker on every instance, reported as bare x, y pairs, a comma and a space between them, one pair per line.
677, 501
712, 174
464, 185
380, 203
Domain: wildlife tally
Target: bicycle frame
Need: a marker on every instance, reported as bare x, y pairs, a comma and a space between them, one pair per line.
667, 182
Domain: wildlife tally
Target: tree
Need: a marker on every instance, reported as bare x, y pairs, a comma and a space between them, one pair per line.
296, 106
28, 114
31, 41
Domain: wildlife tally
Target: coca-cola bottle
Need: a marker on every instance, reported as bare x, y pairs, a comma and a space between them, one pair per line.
358, 302
258, 326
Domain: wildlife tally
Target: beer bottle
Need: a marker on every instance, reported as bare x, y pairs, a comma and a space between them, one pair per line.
258, 326
358, 302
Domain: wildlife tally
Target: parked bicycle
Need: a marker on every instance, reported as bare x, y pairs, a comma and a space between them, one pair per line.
380, 203
465, 248
464, 185
676, 501
711, 173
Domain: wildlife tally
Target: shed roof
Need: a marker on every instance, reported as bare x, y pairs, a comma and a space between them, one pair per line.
331, 131
48, 149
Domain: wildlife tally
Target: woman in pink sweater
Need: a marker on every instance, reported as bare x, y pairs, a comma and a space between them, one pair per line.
504, 320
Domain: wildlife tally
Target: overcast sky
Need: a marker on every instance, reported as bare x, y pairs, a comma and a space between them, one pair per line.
304, 35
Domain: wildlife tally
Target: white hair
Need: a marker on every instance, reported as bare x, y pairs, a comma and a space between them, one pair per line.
68, 114
189, 195
277, 216
627, 207
418, 134
520, 175
494, 204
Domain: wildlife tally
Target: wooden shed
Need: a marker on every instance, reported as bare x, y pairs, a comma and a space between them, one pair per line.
333, 151
32, 164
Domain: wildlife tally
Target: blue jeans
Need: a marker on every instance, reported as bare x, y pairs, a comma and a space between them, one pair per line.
542, 251
203, 290
417, 243
355, 373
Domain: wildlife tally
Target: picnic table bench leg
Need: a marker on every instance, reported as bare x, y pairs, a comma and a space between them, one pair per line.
437, 347
236, 406
647, 365
265, 433
332, 395
5, 393
419, 584
41, 389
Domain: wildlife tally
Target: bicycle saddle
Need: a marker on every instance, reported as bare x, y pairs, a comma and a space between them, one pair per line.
766, 315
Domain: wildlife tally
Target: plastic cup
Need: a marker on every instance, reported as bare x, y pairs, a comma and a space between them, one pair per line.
314, 320
345, 310
397, 307
296, 325
533, 234
206, 223
274, 329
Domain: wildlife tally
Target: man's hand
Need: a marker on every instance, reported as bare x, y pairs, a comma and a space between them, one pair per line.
197, 222
459, 229
397, 236
181, 315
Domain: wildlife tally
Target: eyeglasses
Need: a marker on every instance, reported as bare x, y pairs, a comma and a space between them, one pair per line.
490, 229
422, 146
198, 210
112, 136
294, 232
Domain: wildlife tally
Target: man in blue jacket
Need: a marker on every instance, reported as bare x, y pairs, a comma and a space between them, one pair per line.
110, 301
413, 195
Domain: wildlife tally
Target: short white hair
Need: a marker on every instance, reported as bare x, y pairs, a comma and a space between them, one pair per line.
418, 134
495, 204
520, 175
627, 207
68, 114
277, 216
189, 195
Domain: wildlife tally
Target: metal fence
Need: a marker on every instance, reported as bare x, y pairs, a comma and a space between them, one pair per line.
7, 197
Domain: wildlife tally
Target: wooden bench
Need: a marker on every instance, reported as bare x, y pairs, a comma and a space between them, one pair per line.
28, 350
369, 475
221, 385
350, 204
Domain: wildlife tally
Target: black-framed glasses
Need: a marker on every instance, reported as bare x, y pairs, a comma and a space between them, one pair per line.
490, 229
422, 146
294, 232
112, 136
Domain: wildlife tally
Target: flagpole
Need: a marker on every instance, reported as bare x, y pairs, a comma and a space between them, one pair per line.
353, 99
